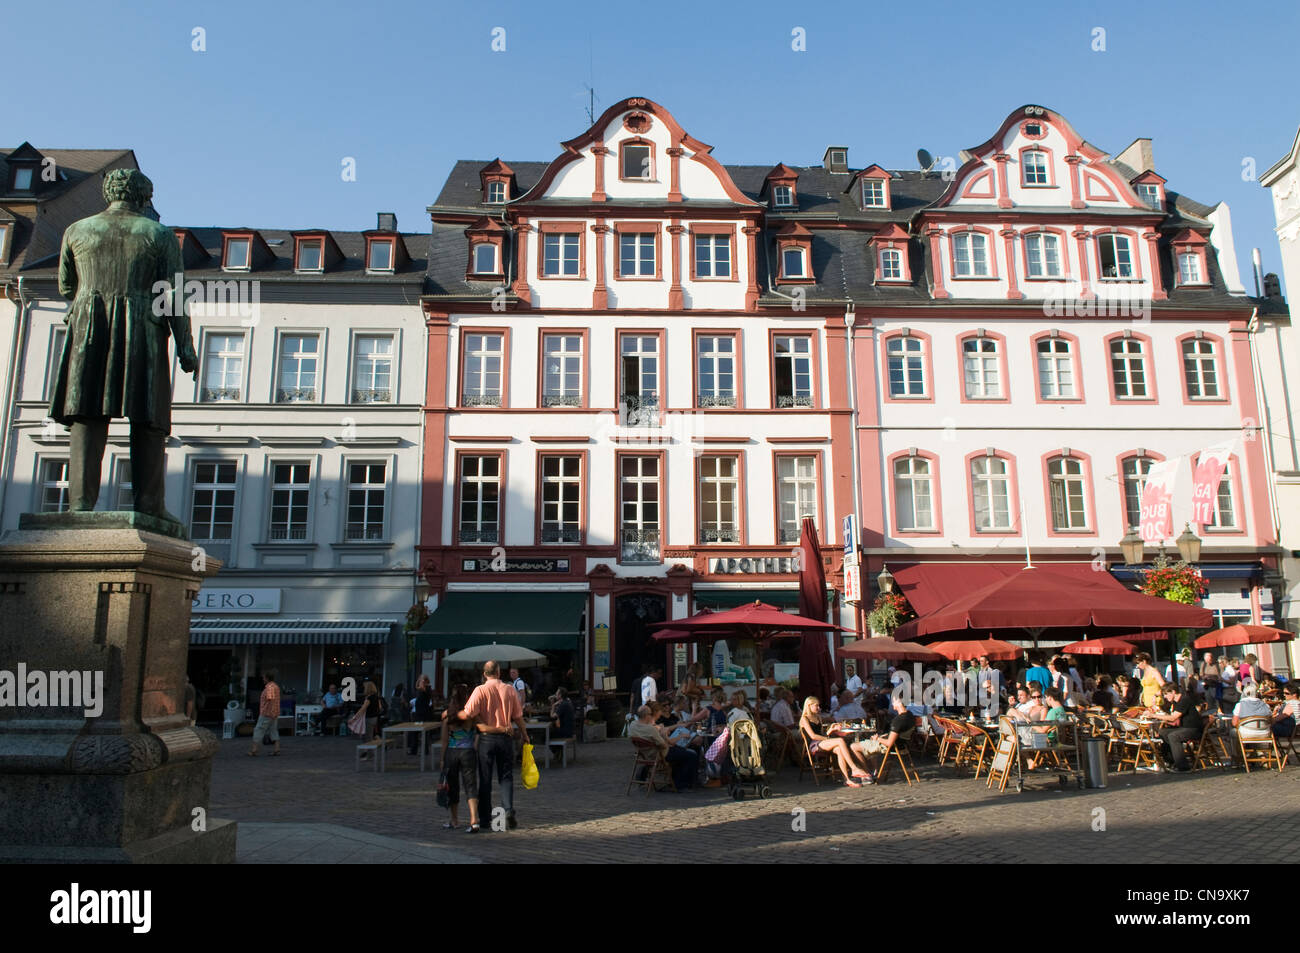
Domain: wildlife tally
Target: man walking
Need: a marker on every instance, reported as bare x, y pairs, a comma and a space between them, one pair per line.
649, 687
495, 707
268, 715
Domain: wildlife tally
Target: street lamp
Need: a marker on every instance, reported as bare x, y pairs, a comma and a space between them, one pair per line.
1131, 546
421, 589
1189, 545
885, 580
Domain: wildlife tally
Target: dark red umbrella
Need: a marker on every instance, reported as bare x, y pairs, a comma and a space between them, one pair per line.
751, 621
1112, 645
995, 649
1038, 599
1242, 635
816, 670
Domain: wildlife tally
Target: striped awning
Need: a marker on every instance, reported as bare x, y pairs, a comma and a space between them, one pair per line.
233, 631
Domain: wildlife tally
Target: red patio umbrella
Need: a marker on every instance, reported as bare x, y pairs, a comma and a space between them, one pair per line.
1038, 599
886, 648
1242, 635
1112, 645
816, 670
961, 650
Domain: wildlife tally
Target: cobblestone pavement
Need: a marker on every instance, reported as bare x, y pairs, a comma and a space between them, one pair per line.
311, 797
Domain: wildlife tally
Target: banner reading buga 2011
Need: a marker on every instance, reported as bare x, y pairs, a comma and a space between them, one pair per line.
1158, 500
1205, 481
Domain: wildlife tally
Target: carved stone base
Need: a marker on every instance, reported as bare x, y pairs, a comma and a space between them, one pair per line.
216, 845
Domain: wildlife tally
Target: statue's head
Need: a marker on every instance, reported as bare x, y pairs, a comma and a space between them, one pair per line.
127, 185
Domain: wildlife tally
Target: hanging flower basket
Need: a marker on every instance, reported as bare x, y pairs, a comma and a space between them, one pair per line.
1177, 582
888, 612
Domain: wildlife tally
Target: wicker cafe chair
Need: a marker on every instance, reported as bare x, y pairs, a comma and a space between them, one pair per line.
649, 766
1261, 751
987, 744
821, 764
776, 745
955, 740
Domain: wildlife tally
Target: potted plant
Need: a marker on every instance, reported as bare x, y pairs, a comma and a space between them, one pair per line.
1177, 582
888, 612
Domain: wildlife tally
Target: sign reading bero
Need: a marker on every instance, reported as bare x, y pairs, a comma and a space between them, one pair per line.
236, 600
751, 565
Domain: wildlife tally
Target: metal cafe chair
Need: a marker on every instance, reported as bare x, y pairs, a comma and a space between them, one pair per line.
1260, 751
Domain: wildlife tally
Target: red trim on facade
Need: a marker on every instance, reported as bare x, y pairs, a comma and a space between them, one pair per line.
815, 360
1064, 242
1247, 401
1004, 381
503, 495
600, 295
936, 269
1220, 365
599, 151
927, 366
619, 455
638, 228
990, 247
741, 505
984, 178
777, 456
1009, 238
584, 481
1049, 161
1076, 359
520, 287
465, 331
675, 177
675, 292
562, 228
1074, 161
1004, 192
1119, 476
1013, 494
707, 228
737, 362
1148, 371
584, 333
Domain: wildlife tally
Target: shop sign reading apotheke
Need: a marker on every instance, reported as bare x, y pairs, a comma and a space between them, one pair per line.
746, 565
236, 600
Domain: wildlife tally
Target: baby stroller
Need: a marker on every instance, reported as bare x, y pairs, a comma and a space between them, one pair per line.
746, 751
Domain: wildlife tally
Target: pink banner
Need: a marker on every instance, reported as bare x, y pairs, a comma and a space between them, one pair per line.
1205, 481
1157, 502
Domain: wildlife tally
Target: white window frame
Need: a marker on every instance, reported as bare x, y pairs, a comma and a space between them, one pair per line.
1122, 360
711, 244
247, 244
797, 494
891, 264
1039, 261
970, 255
782, 196
1053, 364
986, 479
1133, 477
492, 266
647, 172
1035, 174
873, 193
365, 531
311, 391
52, 482
1201, 367
645, 544
481, 530
214, 487
496, 193
392, 256
319, 245
640, 406
720, 362
1120, 265
1224, 493
568, 249
227, 357
476, 389
1149, 193
981, 368
1189, 268
373, 394
293, 496
796, 351
565, 349
1068, 497
910, 362
721, 491
560, 485
912, 473
638, 242
800, 255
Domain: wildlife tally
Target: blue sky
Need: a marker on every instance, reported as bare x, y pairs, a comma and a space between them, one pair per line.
254, 130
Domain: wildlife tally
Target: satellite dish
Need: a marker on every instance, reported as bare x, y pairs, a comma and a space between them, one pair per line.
925, 159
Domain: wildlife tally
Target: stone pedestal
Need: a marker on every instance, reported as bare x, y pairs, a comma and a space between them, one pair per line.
105, 767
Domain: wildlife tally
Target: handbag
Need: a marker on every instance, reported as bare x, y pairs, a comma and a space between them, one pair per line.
357, 723
443, 794
714, 753
530, 772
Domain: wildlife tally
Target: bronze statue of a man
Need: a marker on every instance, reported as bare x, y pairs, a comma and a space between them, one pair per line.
115, 360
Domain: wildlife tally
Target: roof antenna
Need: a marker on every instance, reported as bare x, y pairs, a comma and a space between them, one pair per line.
591, 87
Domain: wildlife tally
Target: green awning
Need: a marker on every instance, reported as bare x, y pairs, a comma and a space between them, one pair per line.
535, 620
730, 598
206, 630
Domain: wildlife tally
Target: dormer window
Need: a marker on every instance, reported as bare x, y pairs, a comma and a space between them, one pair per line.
380, 257
782, 196
794, 263
636, 161
873, 183
237, 254
23, 175
873, 193
891, 262
1149, 193
496, 193
485, 259
1190, 255
310, 254
780, 185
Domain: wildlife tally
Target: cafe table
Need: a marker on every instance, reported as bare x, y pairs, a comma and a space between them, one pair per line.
407, 727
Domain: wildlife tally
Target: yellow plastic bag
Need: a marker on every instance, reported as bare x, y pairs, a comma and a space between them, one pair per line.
531, 774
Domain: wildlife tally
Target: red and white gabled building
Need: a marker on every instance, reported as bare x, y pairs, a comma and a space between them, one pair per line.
1078, 323
635, 393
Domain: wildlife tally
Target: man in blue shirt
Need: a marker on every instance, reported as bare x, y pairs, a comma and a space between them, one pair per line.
1038, 672
331, 705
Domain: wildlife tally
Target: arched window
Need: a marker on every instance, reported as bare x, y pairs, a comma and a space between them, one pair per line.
914, 494
1065, 478
990, 478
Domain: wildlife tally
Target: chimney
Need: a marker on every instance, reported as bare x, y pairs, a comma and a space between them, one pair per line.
1272, 287
836, 159
387, 222
1138, 156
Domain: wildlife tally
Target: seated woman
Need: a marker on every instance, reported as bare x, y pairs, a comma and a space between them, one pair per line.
1055, 712
854, 773
1128, 692
685, 716
739, 708
1285, 718
717, 709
